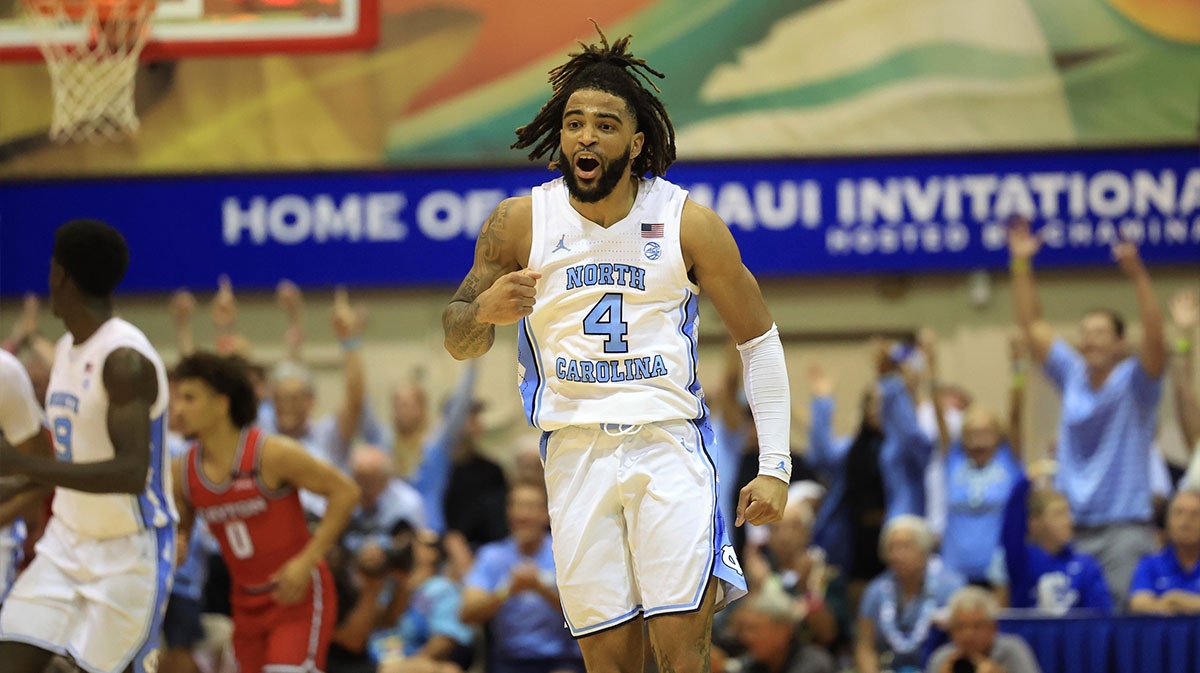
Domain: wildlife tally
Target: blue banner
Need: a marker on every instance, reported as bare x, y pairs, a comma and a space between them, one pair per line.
790, 217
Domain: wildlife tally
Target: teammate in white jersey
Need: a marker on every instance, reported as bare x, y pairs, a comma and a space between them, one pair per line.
97, 589
602, 267
21, 425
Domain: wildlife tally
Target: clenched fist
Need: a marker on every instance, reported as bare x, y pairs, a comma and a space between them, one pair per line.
509, 299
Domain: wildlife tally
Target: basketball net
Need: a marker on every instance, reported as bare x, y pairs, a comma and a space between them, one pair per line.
91, 48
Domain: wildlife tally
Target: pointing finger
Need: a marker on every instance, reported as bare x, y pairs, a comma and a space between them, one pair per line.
743, 502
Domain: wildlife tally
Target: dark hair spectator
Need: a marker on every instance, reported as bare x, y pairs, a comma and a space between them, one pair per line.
1103, 446
851, 515
423, 631
511, 589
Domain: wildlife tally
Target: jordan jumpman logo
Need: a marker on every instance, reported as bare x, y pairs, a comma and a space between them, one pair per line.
560, 245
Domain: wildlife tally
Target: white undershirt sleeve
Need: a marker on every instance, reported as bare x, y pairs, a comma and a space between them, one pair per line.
767, 391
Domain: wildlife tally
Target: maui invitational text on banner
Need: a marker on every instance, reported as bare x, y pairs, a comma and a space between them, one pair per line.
791, 217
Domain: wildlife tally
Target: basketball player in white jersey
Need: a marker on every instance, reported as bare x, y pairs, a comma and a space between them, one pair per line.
602, 267
97, 589
22, 426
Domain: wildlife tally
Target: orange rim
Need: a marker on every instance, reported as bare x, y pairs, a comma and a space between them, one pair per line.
76, 10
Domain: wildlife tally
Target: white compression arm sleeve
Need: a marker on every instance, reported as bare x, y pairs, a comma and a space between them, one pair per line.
765, 374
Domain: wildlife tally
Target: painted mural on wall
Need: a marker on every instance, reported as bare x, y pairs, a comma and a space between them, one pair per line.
451, 79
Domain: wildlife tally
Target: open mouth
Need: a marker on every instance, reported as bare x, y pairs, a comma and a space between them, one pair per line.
587, 167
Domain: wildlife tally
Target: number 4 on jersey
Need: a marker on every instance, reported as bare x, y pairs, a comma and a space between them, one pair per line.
605, 320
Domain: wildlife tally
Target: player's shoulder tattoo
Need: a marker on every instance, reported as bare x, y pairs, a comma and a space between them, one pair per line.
492, 235
504, 227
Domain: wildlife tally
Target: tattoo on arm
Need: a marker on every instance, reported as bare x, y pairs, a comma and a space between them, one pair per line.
466, 337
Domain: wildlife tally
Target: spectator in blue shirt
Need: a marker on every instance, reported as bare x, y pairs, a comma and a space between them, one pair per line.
980, 475
1168, 583
1047, 573
851, 514
385, 500
421, 449
294, 397
899, 607
444, 447
1109, 400
424, 612
906, 450
511, 588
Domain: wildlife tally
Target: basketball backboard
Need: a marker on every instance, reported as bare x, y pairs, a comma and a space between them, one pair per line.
226, 27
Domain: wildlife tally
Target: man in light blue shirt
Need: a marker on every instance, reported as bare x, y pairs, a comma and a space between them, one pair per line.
385, 500
511, 587
981, 472
1109, 399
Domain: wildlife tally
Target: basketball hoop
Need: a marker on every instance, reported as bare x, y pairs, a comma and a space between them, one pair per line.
91, 48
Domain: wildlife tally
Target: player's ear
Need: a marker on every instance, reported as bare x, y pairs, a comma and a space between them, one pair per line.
58, 276
639, 139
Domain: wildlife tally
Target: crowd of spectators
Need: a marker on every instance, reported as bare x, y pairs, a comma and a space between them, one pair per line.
917, 529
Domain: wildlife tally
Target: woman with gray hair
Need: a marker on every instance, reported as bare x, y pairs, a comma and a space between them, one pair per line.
975, 645
899, 606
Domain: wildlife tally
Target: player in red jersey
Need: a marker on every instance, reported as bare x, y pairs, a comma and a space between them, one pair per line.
243, 483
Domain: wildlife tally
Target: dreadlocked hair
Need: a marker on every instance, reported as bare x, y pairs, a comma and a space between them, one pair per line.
612, 69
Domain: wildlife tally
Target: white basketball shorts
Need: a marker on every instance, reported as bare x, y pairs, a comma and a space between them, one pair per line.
635, 522
98, 601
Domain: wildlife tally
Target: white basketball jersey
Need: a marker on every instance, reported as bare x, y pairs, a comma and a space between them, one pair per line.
20, 415
77, 408
612, 337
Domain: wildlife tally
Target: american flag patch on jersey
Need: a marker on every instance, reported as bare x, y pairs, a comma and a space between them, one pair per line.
652, 230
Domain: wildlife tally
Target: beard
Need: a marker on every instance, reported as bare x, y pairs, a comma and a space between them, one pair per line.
603, 184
